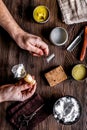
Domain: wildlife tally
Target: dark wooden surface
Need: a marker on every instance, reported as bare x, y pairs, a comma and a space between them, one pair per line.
11, 54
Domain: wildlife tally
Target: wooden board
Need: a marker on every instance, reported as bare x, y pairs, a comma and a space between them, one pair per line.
11, 54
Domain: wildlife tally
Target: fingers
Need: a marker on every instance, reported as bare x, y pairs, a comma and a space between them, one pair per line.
39, 51
34, 54
33, 44
37, 46
44, 47
28, 93
20, 82
36, 50
25, 87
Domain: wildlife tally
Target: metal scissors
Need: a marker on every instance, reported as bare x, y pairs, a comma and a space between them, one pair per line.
24, 120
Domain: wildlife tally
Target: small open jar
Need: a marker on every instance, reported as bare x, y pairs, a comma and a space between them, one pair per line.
59, 36
79, 72
41, 14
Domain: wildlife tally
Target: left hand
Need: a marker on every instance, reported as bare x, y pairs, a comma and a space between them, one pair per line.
34, 44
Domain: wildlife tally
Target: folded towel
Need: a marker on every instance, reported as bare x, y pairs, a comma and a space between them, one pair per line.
26, 115
73, 11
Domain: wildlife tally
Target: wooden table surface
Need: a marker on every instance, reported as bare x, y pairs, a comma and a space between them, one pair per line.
11, 54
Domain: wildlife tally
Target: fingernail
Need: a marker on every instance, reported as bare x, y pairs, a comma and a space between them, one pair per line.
41, 53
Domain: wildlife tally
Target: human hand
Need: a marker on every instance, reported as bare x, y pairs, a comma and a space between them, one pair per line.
32, 43
16, 92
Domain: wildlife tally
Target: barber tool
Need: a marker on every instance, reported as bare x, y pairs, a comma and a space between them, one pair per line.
49, 58
20, 72
75, 42
25, 119
83, 52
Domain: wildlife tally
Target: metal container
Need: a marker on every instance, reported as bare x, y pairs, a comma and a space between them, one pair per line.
67, 110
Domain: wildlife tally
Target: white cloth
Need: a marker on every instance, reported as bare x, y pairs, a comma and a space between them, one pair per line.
73, 11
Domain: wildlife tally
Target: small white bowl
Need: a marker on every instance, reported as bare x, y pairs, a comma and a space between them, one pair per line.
59, 36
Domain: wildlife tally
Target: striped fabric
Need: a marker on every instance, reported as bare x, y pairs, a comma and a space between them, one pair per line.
73, 11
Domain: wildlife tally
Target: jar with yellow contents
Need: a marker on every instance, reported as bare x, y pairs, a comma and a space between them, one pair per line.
41, 14
79, 72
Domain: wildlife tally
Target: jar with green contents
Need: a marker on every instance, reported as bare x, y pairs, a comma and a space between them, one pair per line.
79, 72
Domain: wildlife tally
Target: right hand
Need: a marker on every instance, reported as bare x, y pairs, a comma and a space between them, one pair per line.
16, 92
34, 44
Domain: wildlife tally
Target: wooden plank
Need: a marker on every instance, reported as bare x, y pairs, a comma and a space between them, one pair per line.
11, 54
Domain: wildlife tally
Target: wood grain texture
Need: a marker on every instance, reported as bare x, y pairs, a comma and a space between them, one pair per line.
11, 54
